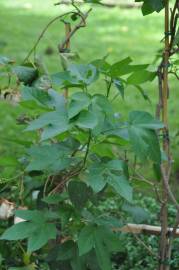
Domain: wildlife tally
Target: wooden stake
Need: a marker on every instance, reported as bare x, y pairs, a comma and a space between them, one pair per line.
144, 229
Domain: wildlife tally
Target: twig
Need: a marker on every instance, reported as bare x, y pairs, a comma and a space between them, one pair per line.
46, 184
65, 179
44, 31
138, 229
175, 74
109, 84
154, 186
87, 149
173, 23
82, 23
160, 86
167, 186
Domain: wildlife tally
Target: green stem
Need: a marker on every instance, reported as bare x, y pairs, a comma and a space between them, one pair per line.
109, 84
87, 149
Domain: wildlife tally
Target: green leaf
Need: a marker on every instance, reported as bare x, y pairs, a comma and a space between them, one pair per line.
86, 119
1, 259
109, 238
49, 100
5, 60
79, 102
103, 118
176, 41
64, 79
84, 74
78, 263
36, 216
120, 68
121, 186
91, 261
144, 120
39, 96
79, 193
8, 161
53, 124
156, 5
101, 103
103, 257
41, 236
147, 8
56, 198
96, 182
29, 267
95, 178
66, 251
103, 149
86, 240
102, 65
19, 231
123, 67
76, 75
143, 93
30, 215
157, 170
120, 86
25, 74
140, 77
150, 6
58, 101
143, 137
50, 158
138, 213
108, 222
92, 1
37, 230
117, 165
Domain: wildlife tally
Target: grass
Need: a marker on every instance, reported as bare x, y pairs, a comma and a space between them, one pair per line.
112, 31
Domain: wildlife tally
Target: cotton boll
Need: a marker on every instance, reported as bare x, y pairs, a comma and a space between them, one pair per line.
6, 209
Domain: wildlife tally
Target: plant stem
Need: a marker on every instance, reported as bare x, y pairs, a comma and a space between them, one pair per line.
163, 250
109, 84
82, 23
45, 29
67, 47
87, 149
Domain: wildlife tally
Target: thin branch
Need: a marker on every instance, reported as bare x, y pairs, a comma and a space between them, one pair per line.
173, 23
175, 74
167, 186
44, 31
82, 23
135, 229
109, 84
87, 149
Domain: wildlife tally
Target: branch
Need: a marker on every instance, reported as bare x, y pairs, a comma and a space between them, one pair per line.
87, 149
82, 23
173, 23
175, 74
44, 31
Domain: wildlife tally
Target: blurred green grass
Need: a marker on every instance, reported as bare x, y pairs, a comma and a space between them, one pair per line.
114, 31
